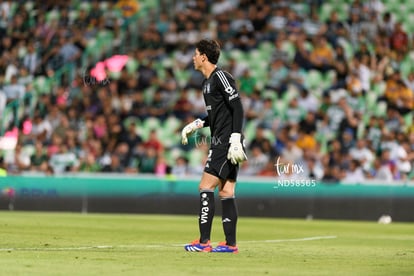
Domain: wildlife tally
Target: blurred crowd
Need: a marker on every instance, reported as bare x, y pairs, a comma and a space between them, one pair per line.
330, 93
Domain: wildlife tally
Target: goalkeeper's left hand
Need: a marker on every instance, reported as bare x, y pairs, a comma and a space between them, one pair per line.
190, 129
236, 153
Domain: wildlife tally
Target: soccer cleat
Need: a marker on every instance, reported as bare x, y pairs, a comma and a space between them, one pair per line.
222, 247
196, 246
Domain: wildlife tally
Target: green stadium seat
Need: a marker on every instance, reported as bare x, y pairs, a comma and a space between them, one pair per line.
28, 5
379, 88
408, 119
132, 65
196, 157
42, 85
52, 15
86, 6
131, 119
325, 11
152, 123
73, 15
172, 154
149, 94
172, 124
28, 149
237, 54
314, 79
280, 106
381, 109
290, 49
250, 129
168, 137
269, 135
103, 5
406, 67
371, 100
182, 77
266, 47
269, 94
348, 48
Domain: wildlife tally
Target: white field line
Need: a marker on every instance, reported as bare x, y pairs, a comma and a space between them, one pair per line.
294, 240
80, 248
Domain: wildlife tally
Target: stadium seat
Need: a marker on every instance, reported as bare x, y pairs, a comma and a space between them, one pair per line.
172, 124
196, 157
381, 109
28, 149
169, 132
103, 5
149, 94
85, 5
42, 85
149, 124
131, 119
13, 7
105, 40
132, 65
371, 100
379, 88
325, 11
408, 119
182, 77
237, 54
406, 66
172, 154
73, 15
250, 130
168, 138
52, 15
290, 49
269, 135
152, 123
28, 5
314, 79
266, 47
348, 48
280, 106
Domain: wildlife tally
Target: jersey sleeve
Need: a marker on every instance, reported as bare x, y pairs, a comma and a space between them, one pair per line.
231, 95
206, 121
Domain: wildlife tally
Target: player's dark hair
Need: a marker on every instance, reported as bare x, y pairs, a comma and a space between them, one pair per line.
210, 48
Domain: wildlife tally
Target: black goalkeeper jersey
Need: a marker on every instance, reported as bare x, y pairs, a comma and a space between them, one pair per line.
224, 107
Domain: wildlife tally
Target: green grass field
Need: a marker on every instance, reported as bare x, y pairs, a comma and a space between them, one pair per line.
36, 243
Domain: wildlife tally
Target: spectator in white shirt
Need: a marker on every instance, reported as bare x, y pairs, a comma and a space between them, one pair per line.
14, 90
363, 154
31, 60
354, 174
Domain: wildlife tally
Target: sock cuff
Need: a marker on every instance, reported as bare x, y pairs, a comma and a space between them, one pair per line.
227, 198
206, 191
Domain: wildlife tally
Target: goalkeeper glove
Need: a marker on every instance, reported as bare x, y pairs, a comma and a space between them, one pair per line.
189, 129
236, 153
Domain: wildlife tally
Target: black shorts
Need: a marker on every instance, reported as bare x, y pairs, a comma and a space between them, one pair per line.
218, 165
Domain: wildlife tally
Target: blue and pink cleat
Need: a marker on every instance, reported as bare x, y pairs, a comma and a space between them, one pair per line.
222, 247
196, 246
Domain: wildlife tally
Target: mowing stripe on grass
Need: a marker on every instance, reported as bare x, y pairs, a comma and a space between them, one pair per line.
80, 248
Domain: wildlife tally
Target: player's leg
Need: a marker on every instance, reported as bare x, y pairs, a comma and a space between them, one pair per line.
207, 186
229, 210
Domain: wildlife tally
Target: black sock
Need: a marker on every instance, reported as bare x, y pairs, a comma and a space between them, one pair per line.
206, 215
229, 220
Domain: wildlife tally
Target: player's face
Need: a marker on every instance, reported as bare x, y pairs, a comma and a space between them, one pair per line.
198, 59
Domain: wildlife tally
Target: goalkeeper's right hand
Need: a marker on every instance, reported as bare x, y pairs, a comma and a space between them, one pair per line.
189, 129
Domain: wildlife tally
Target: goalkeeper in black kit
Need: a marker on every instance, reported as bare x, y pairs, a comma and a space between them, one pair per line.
225, 119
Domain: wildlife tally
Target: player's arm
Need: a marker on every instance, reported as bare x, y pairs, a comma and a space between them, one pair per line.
236, 152
191, 128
